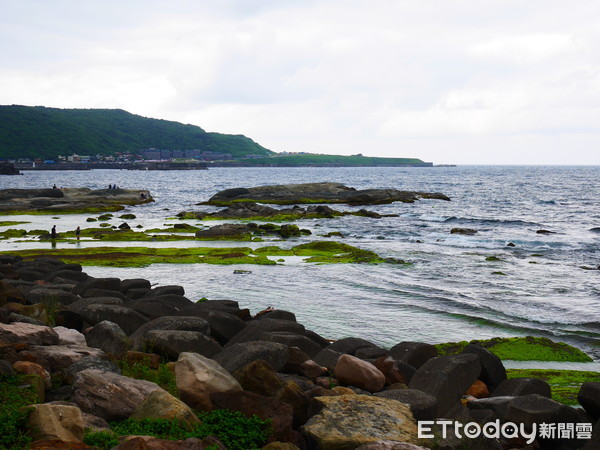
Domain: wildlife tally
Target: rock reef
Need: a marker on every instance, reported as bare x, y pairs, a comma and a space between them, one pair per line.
69, 200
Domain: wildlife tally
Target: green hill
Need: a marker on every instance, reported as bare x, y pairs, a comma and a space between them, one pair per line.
40, 132
310, 159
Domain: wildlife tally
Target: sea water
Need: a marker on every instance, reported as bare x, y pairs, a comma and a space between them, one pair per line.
545, 285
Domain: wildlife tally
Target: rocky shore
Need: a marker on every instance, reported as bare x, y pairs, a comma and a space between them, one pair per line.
70, 340
69, 200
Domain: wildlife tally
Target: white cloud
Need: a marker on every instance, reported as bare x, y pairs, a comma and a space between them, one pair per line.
413, 78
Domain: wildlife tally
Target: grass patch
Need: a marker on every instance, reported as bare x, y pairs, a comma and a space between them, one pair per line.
565, 384
527, 348
163, 375
232, 428
15, 395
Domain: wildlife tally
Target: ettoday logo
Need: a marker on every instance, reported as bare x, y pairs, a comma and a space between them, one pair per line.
508, 430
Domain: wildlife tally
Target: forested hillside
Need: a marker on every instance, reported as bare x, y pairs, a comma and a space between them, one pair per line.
40, 132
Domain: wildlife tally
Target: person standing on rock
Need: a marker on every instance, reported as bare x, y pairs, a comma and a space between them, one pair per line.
53, 234
78, 232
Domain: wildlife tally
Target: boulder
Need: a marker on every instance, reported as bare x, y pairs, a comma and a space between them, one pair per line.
166, 290
170, 343
47, 422
33, 314
128, 319
327, 358
392, 372
49, 295
250, 404
109, 337
350, 345
162, 405
277, 314
58, 357
311, 369
31, 368
413, 353
28, 333
463, 231
422, 405
522, 386
109, 395
74, 276
91, 362
160, 305
353, 371
492, 370
95, 292
111, 284
348, 421
78, 305
198, 377
181, 323
255, 328
305, 344
134, 283
370, 353
235, 357
260, 378
589, 399
68, 336
447, 378
224, 326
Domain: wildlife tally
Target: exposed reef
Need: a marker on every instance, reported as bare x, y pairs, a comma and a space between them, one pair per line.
289, 194
69, 200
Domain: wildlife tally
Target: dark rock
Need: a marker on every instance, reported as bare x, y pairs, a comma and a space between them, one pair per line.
137, 292
109, 337
134, 283
171, 343
392, 372
237, 356
259, 377
370, 352
413, 353
181, 323
422, 405
296, 358
522, 386
79, 305
305, 344
589, 398
62, 393
6, 368
50, 295
91, 362
327, 358
160, 305
464, 231
95, 292
256, 328
499, 405
492, 369
277, 314
350, 345
321, 341
224, 326
447, 378
76, 276
250, 404
111, 284
545, 232
164, 290
128, 319
69, 319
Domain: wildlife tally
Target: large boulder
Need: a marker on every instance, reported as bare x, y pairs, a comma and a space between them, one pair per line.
254, 329
162, 405
170, 343
58, 357
422, 405
109, 337
260, 378
348, 421
47, 422
78, 305
589, 398
350, 345
49, 295
197, 377
181, 323
353, 371
128, 319
109, 395
235, 357
522, 386
90, 362
160, 305
447, 378
413, 353
69, 336
307, 345
492, 370
28, 333
224, 326
111, 284
267, 408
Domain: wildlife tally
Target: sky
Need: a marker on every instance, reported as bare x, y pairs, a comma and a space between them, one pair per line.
447, 81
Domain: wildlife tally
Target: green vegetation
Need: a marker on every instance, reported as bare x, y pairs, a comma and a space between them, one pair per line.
565, 384
315, 252
65, 210
39, 132
9, 223
527, 348
232, 428
332, 160
15, 395
163, 375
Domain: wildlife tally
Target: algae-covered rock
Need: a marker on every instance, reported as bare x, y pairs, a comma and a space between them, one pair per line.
162, 405
56, 422
348, 421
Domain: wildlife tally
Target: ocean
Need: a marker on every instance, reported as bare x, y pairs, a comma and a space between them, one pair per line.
456, 288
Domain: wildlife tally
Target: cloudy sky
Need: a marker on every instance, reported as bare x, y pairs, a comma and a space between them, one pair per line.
448, 81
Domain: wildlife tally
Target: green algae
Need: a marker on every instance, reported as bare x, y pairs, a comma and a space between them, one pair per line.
526, 348
564, 384
128, 216
9, 223
317, 252
45, 212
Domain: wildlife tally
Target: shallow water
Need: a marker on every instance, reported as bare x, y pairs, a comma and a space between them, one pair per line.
449, 293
